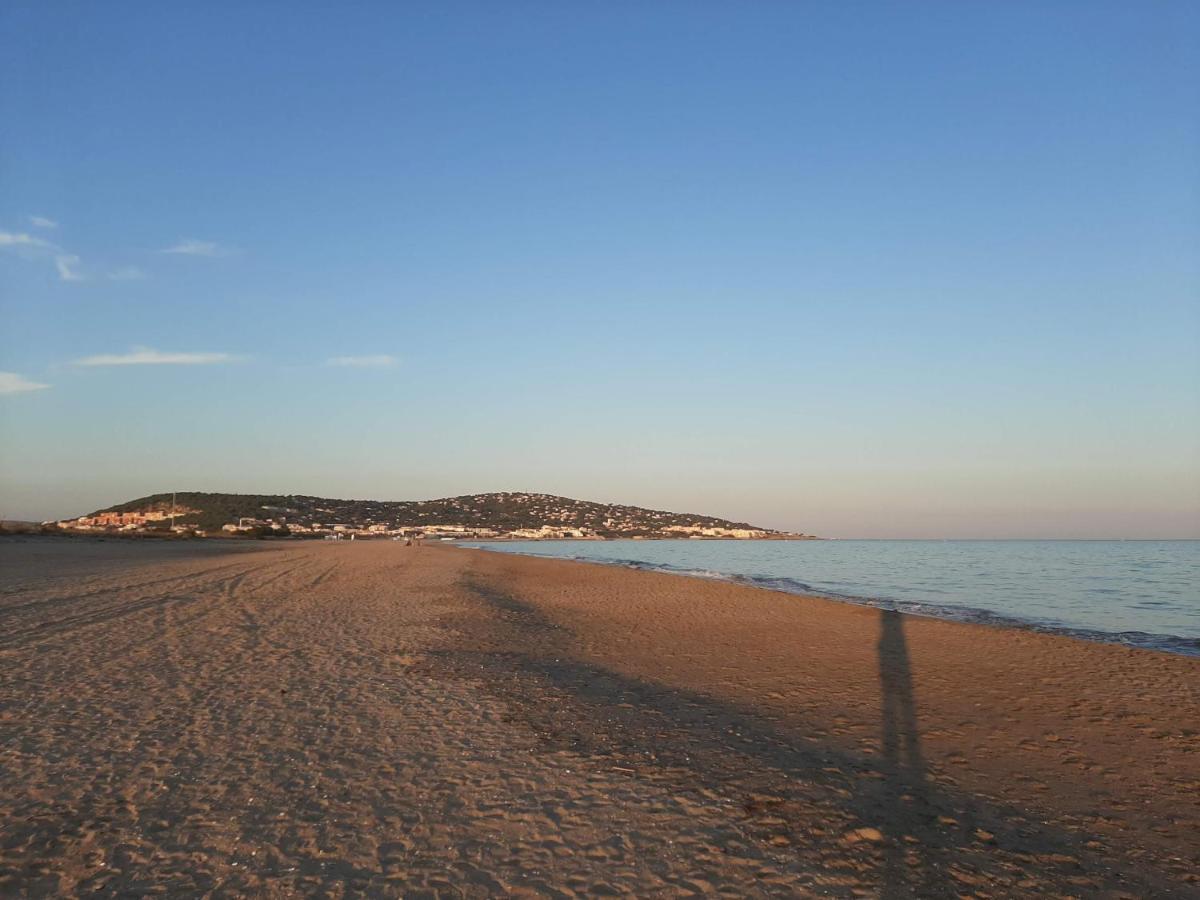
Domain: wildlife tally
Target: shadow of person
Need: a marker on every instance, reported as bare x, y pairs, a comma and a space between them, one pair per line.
926, 823
906, 807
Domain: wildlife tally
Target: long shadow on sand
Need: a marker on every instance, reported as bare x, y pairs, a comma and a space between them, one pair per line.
903, 766
919, 837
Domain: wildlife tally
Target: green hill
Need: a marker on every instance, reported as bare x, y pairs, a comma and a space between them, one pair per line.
499, 512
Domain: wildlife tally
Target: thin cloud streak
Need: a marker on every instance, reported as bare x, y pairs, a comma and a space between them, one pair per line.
375, 361
36, 248
144, 356
21, 240
67, 264
12, 383
192, 247
127, 273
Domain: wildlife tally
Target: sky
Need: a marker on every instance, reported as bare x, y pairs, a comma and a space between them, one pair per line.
861, 270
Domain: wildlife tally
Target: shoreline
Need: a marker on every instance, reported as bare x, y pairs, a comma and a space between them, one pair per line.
1036, 719
1140, 640
370, 718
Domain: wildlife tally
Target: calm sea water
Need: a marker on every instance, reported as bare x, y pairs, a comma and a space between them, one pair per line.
1144, 593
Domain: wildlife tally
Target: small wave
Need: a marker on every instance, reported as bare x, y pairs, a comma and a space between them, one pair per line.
657, 567
702, 573
1169, 643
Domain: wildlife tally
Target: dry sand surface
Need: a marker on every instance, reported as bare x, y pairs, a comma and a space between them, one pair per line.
342, 719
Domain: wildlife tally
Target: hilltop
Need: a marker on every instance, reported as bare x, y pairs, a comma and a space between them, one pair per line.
506, 514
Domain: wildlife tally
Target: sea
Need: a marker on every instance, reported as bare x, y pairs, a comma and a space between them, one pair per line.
1138, 593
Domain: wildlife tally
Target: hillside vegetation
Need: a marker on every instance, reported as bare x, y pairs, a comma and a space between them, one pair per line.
501, 512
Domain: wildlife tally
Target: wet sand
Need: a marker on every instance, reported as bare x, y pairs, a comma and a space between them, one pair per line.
338, 719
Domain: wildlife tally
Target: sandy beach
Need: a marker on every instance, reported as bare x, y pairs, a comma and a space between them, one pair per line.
334, 719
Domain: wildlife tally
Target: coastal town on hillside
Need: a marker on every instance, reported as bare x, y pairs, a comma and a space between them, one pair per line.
505, 516
156, 520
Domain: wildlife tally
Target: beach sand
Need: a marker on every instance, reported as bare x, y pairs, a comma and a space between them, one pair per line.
329, 719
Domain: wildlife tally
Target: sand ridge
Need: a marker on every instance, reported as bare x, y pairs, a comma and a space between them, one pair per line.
335, 719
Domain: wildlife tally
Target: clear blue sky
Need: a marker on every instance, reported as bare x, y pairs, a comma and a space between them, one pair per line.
863, 269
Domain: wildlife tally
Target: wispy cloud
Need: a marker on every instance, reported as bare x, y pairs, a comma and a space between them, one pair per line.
192, 247
68, 267
375, 361
36, 248
19, 240
127, 273
42, 222
12, 383
144, 356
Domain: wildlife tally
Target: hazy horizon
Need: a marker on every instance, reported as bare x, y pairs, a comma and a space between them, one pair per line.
859, 271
